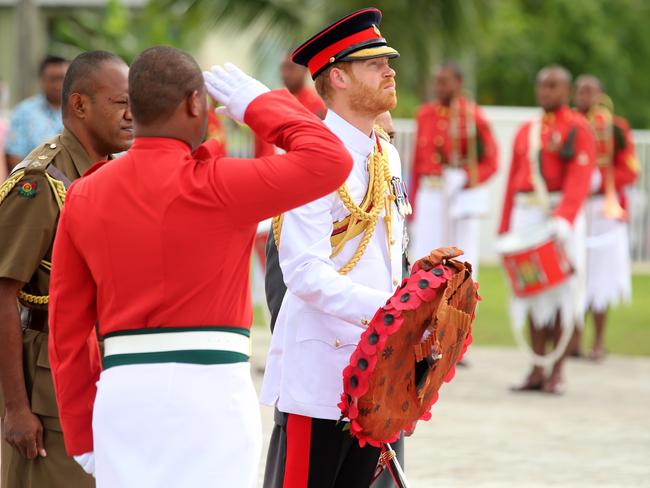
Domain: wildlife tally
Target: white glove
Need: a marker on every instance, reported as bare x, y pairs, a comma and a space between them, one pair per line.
596, 180
561, 228
233, 88
87, 462
454, 180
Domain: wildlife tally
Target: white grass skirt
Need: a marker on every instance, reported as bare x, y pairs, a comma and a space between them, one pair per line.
434, 227
608, 258
567, 298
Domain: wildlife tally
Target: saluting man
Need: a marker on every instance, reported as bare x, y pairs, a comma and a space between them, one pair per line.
97, 122
341, 258
455, 155
548, 183
606, 208
175, 405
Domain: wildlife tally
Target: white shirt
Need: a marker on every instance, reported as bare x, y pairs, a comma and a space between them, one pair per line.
323, 312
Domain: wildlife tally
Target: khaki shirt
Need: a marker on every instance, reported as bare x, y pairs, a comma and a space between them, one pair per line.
29, 213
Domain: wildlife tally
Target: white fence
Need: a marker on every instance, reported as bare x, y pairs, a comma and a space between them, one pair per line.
505, 121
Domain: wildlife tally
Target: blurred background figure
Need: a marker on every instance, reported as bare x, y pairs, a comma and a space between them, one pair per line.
455, 154
39, 117
606, 209
294, 78
216, 130
385, 123
553, 158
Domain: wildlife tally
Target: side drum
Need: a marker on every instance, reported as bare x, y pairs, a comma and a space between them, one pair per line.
534, 259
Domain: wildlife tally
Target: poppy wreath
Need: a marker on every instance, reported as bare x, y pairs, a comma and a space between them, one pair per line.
410, 348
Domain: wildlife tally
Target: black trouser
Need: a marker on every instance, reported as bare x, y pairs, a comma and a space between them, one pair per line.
314, 453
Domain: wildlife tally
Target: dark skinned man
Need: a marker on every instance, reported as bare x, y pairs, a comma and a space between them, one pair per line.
168, 280
37, 118
548, 183
455, 155
97, 122
617, 169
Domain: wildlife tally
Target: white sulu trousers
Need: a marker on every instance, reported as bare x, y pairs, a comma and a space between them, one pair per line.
609, 279
434, 226
174, 425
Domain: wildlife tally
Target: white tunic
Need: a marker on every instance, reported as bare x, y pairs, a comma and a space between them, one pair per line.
324, 313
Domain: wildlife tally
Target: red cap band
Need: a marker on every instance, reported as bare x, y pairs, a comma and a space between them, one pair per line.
322, 59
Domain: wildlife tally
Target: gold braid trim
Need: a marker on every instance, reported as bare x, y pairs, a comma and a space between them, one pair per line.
37, 299
58, 188
380, 177
276, 225
378, 198
9, 184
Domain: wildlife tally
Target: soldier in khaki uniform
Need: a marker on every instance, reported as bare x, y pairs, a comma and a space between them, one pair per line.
97, 122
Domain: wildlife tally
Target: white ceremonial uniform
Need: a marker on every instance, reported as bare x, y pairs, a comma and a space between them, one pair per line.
324, 312
448, 215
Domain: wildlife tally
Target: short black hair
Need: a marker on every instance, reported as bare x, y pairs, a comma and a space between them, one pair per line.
565, 73
159, 79
588, 78
79, 75
50, 60
454, 67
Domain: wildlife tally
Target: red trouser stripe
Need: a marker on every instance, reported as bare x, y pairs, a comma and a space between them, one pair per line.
296, 467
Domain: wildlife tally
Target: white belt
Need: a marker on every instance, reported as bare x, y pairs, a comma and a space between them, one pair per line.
201, 345
531, 199
431, 181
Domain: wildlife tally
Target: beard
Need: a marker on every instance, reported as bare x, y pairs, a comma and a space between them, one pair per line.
367, 100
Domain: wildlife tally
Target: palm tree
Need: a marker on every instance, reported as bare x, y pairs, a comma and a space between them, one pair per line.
423, 31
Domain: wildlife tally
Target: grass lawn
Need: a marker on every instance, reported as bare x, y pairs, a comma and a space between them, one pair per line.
628, 328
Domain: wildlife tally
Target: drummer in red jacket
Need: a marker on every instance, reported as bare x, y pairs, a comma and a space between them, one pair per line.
548, 183
153, 248
294, 78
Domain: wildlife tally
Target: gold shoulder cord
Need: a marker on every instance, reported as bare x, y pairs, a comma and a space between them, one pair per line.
58, 188
9, 184
360, 219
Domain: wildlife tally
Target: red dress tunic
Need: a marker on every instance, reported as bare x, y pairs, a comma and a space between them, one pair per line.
162, 237
568, 153
433, 145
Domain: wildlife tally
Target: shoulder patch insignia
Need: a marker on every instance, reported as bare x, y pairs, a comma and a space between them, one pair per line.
27, 189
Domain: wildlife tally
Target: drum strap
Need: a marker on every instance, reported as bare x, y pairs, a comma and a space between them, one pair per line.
535, 160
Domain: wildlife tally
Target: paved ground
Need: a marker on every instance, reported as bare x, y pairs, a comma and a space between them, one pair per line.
597, 434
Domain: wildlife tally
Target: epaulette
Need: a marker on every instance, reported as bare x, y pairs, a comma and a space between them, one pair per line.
39, 162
